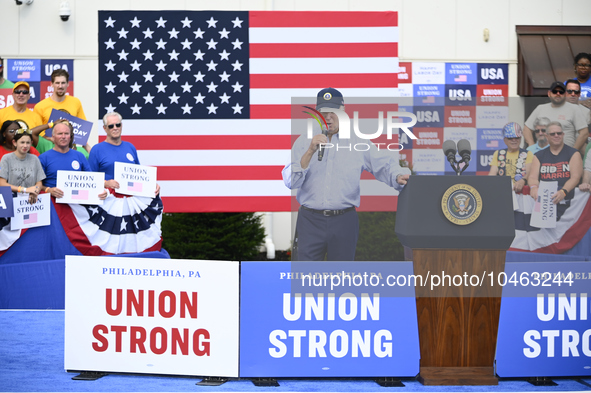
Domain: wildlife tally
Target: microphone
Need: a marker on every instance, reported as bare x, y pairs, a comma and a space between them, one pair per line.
449, 149
320, 149
464, 149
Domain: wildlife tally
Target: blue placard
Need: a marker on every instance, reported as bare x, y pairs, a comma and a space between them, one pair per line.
35, 90
429, 116
6, 209
431, 95
457, 95
484, 158
82, 128
489, 139
48, 66
493, 74
547, 333
24, 70
323, 333
460, 73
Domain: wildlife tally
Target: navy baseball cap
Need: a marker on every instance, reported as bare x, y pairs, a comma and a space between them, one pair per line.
329, 98
556, 84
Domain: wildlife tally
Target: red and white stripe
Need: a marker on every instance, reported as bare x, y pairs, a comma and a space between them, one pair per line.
235, 165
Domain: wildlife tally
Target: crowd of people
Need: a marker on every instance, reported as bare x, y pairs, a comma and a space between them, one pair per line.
556, 136
557, 139
22, 131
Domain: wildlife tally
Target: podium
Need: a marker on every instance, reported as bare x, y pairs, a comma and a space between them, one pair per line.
459, 229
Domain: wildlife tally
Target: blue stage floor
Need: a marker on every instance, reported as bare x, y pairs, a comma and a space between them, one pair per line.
32, 358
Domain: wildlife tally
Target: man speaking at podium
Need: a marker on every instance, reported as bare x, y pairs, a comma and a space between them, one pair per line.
326, 172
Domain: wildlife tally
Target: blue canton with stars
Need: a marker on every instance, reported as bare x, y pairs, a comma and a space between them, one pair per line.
174, 64
120, 225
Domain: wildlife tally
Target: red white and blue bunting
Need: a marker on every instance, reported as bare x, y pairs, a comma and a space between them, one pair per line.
119, 226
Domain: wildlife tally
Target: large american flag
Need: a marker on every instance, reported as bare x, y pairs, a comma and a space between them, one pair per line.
206, 96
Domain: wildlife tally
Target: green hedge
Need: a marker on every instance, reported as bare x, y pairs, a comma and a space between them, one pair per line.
212, 236
377, 239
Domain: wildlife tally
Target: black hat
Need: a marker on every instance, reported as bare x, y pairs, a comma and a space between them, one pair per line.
557, 84
329, 98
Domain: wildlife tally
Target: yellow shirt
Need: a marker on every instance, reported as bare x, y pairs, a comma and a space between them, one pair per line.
70, 105
511, 162
28, 117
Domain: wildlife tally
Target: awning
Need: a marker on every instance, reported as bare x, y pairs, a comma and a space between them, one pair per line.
546, 54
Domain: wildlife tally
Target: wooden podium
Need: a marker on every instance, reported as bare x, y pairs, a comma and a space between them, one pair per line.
459, 318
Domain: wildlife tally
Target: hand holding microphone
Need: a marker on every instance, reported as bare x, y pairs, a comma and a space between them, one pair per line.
320, 148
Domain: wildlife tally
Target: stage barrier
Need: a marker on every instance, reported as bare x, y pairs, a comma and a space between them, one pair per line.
282, 335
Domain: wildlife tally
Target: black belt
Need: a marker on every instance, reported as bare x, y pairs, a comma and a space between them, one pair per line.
330, 213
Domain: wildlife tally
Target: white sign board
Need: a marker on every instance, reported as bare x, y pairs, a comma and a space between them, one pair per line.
156, 316
81, 187
29, 216
544, 211
135, 179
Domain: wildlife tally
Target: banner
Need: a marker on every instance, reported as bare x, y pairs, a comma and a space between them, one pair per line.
82, 128
6, 209
135, 179
290, 332
233, 74
571, 226
81, 187
37, 73
544, 211
544, 328
29, 216
153, 316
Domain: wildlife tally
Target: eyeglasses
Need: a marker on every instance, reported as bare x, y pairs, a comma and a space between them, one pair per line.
556, 133
515, 139
543, 130
583, 65
21, 92
23, 131
558, 91
110, 126
577, 92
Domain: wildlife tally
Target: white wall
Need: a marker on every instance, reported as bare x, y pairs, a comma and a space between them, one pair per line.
430, 30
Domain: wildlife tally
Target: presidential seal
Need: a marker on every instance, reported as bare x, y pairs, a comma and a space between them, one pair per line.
461, 204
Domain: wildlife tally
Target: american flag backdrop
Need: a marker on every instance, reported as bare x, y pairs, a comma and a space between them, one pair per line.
206, 95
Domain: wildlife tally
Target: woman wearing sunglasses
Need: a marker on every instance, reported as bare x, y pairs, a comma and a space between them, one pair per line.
559, 163
22, 171
7, 131
583, 72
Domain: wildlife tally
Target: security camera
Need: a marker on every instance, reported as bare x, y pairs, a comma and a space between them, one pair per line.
18, 2
65, 10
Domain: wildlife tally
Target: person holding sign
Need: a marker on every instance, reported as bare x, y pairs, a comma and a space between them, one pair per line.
104, 155
513, 161
46, 143
560, 163
21, 171
60, 100
7, 132
62, 157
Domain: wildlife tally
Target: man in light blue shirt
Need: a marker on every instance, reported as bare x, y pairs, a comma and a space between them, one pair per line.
328, 189
540, 125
